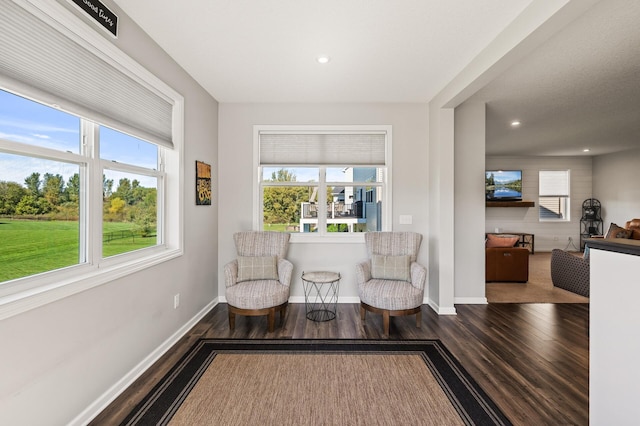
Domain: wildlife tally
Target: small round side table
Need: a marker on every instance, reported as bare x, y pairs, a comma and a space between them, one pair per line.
321, 294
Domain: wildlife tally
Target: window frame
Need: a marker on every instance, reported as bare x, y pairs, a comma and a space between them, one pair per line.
23, 294
566, 198
322, 235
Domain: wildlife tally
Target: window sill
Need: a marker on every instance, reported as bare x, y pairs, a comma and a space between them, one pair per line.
25, 300
340, 238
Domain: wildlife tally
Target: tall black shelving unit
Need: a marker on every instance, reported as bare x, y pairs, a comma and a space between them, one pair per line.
591, 220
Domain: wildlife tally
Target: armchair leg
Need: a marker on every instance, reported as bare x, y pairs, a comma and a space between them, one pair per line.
418, 318
271, 319
385, 323
283, 312
363, 312
232, 320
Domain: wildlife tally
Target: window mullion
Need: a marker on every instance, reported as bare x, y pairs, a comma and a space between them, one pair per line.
94, 192
322, 201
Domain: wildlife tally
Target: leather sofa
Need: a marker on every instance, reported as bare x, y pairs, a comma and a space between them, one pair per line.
634, 226
507, 264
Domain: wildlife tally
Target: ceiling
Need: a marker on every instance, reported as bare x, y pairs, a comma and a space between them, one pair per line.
580, 89
266, 50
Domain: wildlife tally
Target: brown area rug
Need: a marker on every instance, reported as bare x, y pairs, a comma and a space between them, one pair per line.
323, 382
539, 288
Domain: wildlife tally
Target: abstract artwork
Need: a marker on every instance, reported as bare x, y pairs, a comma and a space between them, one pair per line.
203, 184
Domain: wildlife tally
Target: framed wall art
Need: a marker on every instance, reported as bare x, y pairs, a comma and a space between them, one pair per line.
203, 184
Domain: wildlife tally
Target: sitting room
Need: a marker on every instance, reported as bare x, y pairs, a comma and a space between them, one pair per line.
274, 213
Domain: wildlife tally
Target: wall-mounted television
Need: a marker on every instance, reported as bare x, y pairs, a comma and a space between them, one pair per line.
503, 185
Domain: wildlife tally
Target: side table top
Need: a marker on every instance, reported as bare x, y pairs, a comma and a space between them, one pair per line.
321, 276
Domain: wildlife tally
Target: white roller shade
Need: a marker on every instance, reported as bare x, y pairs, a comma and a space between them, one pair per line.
41, 62
554, 183
323, 149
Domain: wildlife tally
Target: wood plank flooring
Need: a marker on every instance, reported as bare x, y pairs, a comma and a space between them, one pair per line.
532, 359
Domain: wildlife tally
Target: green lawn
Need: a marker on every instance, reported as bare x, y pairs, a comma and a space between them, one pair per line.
31, 247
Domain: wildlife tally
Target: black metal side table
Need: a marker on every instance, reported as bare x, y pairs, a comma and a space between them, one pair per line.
321, 294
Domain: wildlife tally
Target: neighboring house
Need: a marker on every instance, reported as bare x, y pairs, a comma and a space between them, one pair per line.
352, 209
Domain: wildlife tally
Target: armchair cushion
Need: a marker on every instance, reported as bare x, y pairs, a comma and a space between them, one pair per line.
257, 294
391, 267
390, 294
257, 268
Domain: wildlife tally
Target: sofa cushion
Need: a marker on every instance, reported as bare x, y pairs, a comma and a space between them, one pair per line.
616, 231
502, 240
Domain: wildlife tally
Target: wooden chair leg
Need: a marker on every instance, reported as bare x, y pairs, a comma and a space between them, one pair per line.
419, 318
363, 312
271, 319
283, 312
385, 323
232, 320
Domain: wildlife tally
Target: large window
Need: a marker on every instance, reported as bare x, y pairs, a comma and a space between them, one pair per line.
90, 159
553, 197
323, 181
52, 162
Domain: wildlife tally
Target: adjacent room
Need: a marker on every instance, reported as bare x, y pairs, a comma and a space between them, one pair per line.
294, 212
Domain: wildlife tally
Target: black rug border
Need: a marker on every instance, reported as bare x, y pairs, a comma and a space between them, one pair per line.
473, 405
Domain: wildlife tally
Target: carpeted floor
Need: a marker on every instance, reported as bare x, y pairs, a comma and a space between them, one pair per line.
317, 382
539, 288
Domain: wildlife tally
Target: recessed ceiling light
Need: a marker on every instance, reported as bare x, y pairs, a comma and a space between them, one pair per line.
586, 150
323, 59
515, 123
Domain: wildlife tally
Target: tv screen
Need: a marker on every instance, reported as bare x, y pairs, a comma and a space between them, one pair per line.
503, 185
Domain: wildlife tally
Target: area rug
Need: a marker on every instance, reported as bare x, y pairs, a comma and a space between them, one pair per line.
323, 382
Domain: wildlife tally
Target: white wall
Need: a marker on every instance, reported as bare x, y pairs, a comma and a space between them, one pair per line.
548, 235
410, 194
615, 185
613, 347
63, 359
469, 211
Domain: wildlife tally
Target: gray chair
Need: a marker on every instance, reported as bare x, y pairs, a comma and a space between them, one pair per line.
570, 272
391, 282
258, 281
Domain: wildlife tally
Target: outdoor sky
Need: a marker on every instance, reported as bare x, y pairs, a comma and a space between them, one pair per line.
22, 120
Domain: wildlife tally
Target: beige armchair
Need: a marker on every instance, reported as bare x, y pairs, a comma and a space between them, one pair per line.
391, 282
258, 281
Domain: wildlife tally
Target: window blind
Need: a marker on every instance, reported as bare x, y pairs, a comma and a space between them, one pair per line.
39, 61
323, 149
554, 183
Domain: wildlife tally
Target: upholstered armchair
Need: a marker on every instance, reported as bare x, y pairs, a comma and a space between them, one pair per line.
391, 282
570, 272
258, 281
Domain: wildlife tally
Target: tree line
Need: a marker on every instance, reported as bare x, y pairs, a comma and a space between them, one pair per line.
50, 196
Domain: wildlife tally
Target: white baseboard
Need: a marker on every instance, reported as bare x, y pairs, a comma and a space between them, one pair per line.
112, 393
300, 299
470, 301
442, 310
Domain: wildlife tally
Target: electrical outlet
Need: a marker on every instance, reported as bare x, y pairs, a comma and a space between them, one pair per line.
555, 238
176, 301
569, 239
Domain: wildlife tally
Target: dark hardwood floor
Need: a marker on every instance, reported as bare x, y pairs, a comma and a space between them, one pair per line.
532, 359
